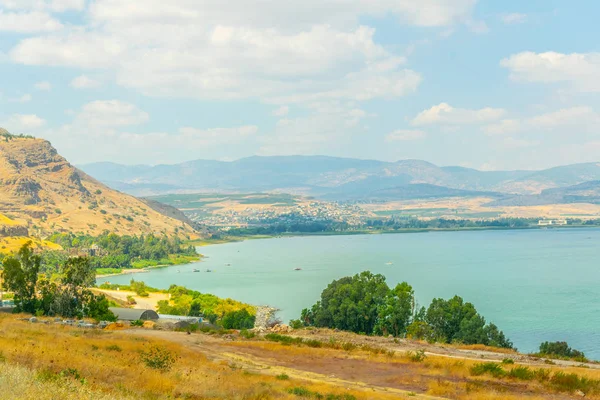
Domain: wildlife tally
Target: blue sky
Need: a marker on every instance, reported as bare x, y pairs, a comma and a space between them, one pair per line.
479, 83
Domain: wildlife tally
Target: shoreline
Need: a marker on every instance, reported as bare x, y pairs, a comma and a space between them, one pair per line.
132, 271
235, 239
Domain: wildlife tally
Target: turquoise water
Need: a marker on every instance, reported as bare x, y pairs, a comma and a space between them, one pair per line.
536, 285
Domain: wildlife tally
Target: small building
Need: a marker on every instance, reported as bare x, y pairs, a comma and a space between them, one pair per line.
134, 314
549, 222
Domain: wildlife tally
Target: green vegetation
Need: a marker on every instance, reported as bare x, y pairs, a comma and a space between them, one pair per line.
110, 252
560, 350
158, 358
65, 295
228, 313
240, 319
365, 304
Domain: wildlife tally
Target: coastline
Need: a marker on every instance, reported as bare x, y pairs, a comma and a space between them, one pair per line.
132, 271
234, 239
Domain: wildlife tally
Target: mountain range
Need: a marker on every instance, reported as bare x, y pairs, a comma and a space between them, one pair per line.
335, 178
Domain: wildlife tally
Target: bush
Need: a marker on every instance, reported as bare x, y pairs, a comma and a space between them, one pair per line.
296, 324
508, 361
282, 377
114, 347
522, 373
416, 356
247, 334
283, 339
158, 358
238, 320
131, 300
491, 368
560, 350
137, 322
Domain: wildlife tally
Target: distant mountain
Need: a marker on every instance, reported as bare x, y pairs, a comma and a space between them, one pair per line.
587, 192
421, 191
41, 191
328, 177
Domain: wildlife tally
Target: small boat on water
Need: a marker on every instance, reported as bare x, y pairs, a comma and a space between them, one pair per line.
298, 269
228, 265
389, 263
196, 270
208, 270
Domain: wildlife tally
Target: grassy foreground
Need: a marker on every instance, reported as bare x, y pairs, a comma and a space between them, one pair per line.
41, 361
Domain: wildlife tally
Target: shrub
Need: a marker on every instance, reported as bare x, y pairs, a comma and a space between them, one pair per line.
158, 358
137, 322
113, 347
131, 300
491, 368
560, 349
240, 319
508, 361
282, 377
313, 343
348, 346
296, 324
416, 356
283, 339
522, 373
247, 334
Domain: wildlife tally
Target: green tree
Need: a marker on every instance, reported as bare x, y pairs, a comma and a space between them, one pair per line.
396, 311
238, 320
21, 276
350, 303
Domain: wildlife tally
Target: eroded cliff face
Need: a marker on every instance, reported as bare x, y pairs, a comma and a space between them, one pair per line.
40, 187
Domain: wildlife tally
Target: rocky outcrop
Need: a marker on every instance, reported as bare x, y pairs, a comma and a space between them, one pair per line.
8, 231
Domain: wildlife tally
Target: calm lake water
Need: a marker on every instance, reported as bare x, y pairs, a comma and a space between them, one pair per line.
536, 285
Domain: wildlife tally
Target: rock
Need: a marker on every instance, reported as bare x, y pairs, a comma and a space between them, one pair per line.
579, 393
149, 325
33, 319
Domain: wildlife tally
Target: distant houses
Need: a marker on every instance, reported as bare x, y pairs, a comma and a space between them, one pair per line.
552, 222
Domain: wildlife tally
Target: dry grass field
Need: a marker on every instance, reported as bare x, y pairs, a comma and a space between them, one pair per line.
39, 360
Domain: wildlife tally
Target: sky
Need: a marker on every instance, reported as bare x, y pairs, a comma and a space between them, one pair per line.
479, 83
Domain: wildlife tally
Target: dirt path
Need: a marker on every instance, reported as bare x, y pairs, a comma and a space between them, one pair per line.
348, 373
144, 303
344, 369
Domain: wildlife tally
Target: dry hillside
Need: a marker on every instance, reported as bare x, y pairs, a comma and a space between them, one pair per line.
42, 192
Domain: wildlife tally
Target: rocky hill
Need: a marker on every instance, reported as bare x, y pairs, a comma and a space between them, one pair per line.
43, 193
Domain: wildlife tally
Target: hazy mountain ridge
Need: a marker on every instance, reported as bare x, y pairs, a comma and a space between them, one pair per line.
330, 177
587, 192
41, 190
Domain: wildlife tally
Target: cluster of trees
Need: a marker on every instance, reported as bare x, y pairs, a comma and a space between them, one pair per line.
365, 304
443, 223
301, 224
65, 294
121, 251
560, 350
230, 314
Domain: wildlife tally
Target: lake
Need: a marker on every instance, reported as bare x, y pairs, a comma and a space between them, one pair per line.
536, 285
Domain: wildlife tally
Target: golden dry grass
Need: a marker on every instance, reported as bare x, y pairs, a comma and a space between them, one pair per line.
9, 245
110, 364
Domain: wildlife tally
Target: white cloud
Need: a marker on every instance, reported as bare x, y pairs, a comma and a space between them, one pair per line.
281, 111
302, 50
28, 22
43, 5
580, 70
44, 86
23, 123
26, 98
513, 18
84, 82
111, 113
478, 27
405, 135
444, 114
574, 120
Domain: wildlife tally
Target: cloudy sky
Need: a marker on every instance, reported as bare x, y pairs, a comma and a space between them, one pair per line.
479, 83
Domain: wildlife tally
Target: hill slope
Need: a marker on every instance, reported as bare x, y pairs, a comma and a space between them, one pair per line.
587, 192
328, 177
42, 191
